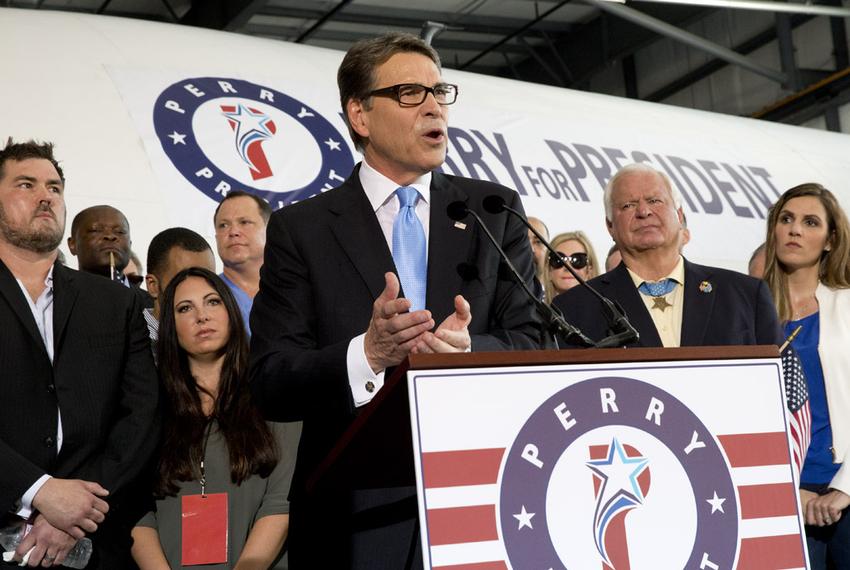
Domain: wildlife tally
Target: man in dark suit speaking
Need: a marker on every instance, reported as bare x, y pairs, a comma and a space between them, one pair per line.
359, 277
669, 300
78, 412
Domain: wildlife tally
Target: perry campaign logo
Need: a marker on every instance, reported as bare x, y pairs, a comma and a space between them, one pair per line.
227, 134
648, 458
614, 471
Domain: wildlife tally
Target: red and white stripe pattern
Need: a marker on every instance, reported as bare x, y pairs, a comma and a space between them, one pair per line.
800, 425
797, 398
462, 492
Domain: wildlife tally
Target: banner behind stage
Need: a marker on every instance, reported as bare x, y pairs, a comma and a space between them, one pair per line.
284, 139
643, 466
161, 120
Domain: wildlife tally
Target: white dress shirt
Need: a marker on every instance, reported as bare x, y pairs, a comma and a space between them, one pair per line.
380, 191
668, 325
42, 312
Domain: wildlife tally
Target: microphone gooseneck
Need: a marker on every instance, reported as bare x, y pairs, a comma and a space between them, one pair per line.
553, 319
624, 332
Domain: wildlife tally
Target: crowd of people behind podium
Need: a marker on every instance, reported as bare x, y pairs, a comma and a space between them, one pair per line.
140, 394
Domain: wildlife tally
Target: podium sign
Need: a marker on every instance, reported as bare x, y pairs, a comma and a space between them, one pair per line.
653, 465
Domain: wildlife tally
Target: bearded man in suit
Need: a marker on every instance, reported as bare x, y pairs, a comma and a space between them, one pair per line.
78, 416
359, 277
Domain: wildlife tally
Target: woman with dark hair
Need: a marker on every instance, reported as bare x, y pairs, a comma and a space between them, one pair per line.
218, 455
808, 272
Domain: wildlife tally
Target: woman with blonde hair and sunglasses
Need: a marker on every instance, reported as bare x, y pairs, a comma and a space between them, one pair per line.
574, 248
808, 272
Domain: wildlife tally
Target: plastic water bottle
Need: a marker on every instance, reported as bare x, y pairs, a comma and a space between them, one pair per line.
12, 535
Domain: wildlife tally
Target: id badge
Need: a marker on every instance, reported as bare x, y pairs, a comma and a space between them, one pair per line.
204, 522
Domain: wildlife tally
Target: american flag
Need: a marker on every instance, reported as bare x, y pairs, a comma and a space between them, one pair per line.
797, 396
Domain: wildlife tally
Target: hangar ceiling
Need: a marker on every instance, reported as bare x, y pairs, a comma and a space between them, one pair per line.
566, 43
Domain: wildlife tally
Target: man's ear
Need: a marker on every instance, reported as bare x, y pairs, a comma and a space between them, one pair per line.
355, 110
72, 245
152, 285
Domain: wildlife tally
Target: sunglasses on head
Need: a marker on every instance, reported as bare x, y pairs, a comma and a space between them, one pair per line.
576, 260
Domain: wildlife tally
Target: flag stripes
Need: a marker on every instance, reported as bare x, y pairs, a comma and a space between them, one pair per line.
456, 468
771, 500
766, 493
754, 449
462, 524
499, 565
771, 553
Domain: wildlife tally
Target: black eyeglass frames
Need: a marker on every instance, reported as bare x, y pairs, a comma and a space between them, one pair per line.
414, 94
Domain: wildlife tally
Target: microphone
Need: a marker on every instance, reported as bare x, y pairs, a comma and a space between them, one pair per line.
553, 319
457, 210
616, 316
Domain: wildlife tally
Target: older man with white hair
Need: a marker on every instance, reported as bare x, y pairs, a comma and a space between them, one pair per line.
669, 300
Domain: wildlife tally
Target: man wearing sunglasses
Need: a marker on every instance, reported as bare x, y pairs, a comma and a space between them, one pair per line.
669, 300
359, 277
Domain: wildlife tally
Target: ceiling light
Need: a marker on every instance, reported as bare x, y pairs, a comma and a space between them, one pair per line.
786, 7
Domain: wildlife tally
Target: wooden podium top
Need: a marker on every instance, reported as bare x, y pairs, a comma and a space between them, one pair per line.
588, 355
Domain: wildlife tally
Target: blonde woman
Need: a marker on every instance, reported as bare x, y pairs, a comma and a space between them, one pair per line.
808, 272
576, 249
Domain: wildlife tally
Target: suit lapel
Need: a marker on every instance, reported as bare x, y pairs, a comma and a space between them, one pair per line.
359, 235
624, 290
14, 296
698, 306
64, 297
448, 246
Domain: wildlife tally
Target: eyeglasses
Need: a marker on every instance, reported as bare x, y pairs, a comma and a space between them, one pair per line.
135, 279
413, 94
576, 260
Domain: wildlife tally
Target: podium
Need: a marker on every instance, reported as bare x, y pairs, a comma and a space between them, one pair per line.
603, 459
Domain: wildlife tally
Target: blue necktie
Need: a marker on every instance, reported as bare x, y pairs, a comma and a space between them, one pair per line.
657, 288
409, 248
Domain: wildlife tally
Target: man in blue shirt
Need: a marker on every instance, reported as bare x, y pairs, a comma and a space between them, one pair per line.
240, 236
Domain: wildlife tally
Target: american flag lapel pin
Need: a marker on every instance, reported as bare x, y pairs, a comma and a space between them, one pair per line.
705, 287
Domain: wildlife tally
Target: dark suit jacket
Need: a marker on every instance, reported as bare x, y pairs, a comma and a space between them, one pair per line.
102, 379
737, 311
324, 267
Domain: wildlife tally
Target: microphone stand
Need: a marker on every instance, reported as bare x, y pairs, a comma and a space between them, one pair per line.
616, 316
552, 318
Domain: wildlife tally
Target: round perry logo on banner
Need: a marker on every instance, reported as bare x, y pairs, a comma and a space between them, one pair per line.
617, 471
227, 134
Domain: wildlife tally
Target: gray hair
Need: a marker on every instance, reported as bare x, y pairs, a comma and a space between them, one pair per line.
642, 168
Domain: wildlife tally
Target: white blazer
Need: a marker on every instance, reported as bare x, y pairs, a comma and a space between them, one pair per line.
834, 352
